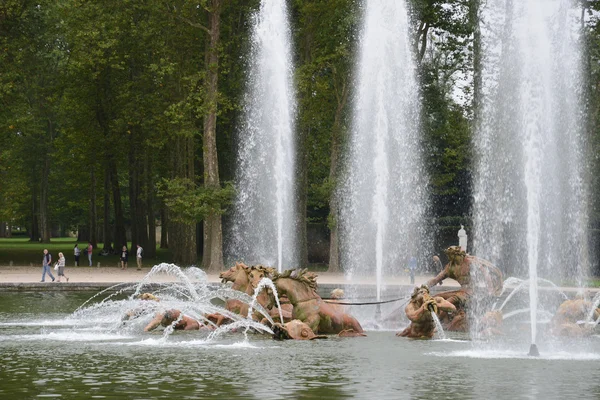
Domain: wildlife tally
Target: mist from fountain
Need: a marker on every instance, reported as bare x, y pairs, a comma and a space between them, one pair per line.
190, 293
263, 227
439, 329
529, 187
382, 193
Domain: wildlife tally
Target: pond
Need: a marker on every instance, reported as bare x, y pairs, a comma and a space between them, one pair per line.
45, 352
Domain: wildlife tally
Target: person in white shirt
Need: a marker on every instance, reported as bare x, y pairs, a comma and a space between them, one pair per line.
138, 257
61, 267
76, 253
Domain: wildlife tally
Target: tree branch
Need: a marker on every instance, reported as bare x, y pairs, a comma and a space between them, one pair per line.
188, 21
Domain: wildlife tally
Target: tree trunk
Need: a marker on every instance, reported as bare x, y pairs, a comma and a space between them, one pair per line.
120, 236
106, 237
150, 248
9, 231
83, 233
137, 192
301, 202
212, 255
93, 238
164, 227
133, 192
44, 217
334, 167
2, 229
34, 234
182, 236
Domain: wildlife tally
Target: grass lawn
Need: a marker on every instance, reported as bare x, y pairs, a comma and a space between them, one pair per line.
23, 252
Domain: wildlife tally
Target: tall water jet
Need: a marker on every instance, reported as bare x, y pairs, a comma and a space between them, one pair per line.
530, 211
382, 193
263, 228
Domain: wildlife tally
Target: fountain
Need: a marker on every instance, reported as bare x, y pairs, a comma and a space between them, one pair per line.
189, 293
529, 187
263, 228
382, 193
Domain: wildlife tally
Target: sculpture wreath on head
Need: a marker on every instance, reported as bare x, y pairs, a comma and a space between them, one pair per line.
415, 292
301, 275
455, 254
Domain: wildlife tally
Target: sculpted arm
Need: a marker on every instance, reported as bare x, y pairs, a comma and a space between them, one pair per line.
413, 312
444, 304
440, 277
154, 323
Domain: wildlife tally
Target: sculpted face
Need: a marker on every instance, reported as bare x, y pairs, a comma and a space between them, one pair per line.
420, 294
255, 276
455, 255
296, 330
230, 274
169, 317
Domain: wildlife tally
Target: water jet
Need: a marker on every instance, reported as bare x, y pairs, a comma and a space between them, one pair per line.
533, 351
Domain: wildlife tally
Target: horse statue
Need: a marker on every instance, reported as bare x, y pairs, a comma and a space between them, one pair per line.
245, 279
300, 287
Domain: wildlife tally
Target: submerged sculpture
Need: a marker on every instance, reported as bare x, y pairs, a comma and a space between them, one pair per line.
571, 317
245, 279
419, 311
300, 287
296, 330
463, 268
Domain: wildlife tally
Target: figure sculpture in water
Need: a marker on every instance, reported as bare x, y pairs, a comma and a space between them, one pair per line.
463, 268
300, 287
245, 279
571, 317
419, 311
255, 275
164, 318
296, 330
177, 319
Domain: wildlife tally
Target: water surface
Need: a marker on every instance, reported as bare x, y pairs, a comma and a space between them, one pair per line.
45, 353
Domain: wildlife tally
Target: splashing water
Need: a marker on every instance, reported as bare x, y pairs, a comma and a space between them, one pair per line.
439, 329
382, 193
187, 291
263, 228
266, 282
529, 189
524, 284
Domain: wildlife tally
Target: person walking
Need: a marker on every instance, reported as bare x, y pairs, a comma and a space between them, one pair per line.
46, 266
412, 266
76, 253
124, 257
138, 257
61, 266
437, 266
90, 250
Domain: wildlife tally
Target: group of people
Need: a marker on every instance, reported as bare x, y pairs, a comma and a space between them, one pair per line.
60, 264
47, 266
125, 257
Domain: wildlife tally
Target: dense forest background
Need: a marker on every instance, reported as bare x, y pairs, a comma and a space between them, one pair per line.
121, 116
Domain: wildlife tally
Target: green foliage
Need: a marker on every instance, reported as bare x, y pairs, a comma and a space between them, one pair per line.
189, 203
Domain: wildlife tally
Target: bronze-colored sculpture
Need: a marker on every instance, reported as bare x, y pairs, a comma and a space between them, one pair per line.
419, 311
462, 268
296, 330
245, 279
300, 287
570, 318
